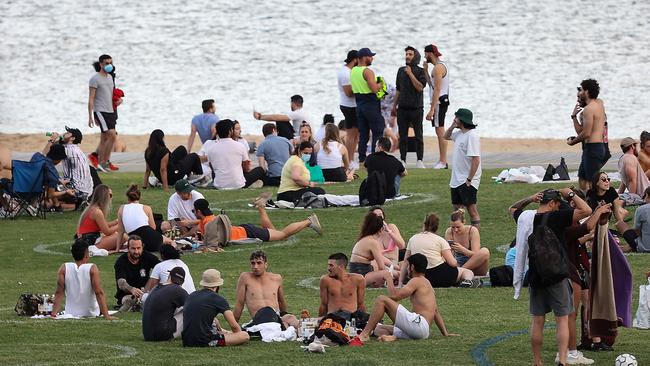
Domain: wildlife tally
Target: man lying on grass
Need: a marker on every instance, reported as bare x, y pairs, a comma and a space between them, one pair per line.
407, 325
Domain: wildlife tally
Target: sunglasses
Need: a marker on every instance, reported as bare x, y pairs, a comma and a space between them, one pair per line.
605, 179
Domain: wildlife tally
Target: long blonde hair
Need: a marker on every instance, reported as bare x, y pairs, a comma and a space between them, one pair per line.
331, 134
102, 199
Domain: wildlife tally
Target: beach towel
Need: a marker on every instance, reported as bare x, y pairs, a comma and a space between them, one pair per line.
272, 332
333, 200
611, 288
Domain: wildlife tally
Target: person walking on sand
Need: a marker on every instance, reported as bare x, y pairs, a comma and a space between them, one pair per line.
101, 112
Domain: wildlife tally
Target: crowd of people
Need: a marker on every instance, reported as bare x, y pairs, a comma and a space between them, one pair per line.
297, 161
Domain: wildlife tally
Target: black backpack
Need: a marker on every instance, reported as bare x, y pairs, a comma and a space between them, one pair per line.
373, 189
561, 170
501, 276
547, 259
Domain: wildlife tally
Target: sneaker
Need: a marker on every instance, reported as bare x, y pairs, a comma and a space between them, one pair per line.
262, 199
94, 161
465, 284
112, 167
314, 224
193, 178
600, 346
257, 184
578, 358
477, 282
441, 165
127, 304
103, 168
419, 164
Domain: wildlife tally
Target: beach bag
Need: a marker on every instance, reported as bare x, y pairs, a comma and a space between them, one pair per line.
217, 231
315, 173
642, 318
27, 304
562, 172
332, 327
501, 276
546, 256
373, 189
311, 200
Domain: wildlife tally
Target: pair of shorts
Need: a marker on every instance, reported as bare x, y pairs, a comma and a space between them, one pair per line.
90, 238
463, 195
409, 325
557, 298
335, 175
218, 339
593, 158
265, 315
461, 259
256, 232
442, 275
151, 239
105, 120
360, 268
440, 112
350, 115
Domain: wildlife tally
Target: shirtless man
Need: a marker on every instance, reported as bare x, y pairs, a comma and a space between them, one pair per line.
407, 325
590, 130
263, 294
341, 292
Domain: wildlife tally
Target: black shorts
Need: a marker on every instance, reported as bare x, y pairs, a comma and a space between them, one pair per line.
593, 158
463, 195
360, 268
105, 120
151, 239
256, 232
442, 275
350, 115
335, 175
441, 110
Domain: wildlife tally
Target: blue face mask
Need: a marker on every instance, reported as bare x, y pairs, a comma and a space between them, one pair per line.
108, 68
306, 157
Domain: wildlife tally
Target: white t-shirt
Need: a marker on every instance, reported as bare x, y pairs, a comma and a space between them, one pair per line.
466, 146
226, 156
179, 209
297, 117
161, 270
343, 77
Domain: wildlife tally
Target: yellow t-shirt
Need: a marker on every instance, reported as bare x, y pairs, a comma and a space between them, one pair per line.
430, 245
286, 182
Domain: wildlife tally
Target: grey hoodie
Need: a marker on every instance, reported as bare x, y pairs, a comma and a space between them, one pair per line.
409, 97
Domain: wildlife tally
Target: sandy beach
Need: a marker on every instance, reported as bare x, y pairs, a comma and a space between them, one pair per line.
138, 143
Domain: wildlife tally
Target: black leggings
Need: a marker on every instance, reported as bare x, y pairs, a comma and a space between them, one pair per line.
406, 118
181, 164
294, 196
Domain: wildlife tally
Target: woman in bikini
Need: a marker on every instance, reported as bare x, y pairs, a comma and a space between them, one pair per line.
93, 226
390, 239
465, 242
368, 249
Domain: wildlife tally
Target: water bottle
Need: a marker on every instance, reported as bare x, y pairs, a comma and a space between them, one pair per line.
49, 133
353, 328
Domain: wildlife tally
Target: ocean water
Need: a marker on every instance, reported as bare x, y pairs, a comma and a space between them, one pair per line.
514, 63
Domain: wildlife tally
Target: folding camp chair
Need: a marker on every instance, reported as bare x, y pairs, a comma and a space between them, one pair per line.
26, 189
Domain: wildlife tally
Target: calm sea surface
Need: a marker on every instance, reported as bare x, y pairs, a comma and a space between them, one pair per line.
514, 63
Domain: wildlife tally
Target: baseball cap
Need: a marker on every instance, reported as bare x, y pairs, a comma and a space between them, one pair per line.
551, 195
75, 133
183, 186
352, 54
365, 52
177, 275
211, 278
202, 205
433, 49
628, 141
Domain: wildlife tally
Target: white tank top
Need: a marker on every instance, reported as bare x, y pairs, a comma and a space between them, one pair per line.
332, 160
80, 299
444, 85
134, 217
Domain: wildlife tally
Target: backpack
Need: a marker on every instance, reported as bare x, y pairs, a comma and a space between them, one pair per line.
28, 304
311, 200
547, 259
501, 276
373, 189
331, 327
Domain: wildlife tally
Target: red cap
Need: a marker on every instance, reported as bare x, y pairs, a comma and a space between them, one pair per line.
434, 49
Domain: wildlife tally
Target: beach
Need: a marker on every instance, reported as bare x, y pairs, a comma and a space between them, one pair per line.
138, 143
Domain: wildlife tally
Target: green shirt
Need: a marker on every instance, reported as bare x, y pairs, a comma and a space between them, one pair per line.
358, 83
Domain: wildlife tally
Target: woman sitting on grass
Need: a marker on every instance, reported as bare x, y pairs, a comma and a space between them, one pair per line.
93, 226
168, 167
442, 270
602, 190
333, 156
368, 250
390, 239
135, 218
295, 178
465, 242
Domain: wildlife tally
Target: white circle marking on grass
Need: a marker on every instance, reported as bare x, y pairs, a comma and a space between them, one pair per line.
45, 248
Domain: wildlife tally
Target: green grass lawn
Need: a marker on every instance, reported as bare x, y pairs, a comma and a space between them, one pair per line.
477, 314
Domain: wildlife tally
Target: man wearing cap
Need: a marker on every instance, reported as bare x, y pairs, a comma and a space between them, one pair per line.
348, 104
407, 104
288, 124
52, 155
632, 176
263, 294
439, 93
591, 130
76, 168
200, 326
466, 172
365, 87
180, 208
556, 297
162, 314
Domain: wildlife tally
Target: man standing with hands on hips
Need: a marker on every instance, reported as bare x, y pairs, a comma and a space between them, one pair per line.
466, 172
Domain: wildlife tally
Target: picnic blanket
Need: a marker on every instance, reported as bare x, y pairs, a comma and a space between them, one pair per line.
349, 200
535, 174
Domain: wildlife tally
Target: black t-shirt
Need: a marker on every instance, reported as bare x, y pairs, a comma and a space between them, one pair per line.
593, 198
154, 161
389, 165
409, 97
200, 309
158, 323
136, 275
